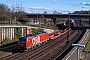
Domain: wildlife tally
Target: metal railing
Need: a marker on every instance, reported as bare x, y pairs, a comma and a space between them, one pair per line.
10, 23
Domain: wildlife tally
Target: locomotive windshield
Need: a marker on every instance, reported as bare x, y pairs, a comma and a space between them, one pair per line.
22, 40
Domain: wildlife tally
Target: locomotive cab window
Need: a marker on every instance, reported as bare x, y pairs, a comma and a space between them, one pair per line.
22, 40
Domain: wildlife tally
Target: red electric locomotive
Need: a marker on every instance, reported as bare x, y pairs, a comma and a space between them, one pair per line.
32, 40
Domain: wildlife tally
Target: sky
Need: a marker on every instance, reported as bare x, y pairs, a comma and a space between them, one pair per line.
39, 6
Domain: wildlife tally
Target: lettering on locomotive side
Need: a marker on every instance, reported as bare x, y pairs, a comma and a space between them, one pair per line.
36, 40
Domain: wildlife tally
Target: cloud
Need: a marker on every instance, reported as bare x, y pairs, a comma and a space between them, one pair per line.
75, 4
36, 7
84, 6
82, 3
9, 1
88, 4
55, 1
42, 9
36, 2
67, 11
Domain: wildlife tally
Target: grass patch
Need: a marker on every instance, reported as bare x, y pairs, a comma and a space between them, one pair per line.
36, 30
8, 42
88, 59
87, 48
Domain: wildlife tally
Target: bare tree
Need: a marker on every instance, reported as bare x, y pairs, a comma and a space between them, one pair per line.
7, 14
4, 11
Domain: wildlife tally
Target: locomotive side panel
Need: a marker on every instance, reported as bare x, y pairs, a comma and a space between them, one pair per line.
32, 41
47, 36
44, 37
29, 42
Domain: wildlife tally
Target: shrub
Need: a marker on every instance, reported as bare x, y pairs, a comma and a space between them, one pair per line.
87, 48
36, 30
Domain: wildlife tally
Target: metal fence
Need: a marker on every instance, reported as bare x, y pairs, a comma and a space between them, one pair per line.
10, 23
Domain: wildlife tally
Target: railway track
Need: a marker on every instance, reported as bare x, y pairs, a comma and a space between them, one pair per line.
41, 51
8, 50
72, 40
51, 51
8, 47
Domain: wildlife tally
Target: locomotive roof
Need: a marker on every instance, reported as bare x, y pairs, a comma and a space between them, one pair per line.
22, 37
33, 35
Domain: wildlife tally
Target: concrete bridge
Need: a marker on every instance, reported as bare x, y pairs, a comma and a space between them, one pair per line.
8, 32
73, 16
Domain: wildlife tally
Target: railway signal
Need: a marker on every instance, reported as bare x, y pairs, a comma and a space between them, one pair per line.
78, 45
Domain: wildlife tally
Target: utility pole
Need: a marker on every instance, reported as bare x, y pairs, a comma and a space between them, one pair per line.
68, 35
